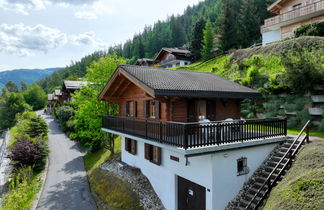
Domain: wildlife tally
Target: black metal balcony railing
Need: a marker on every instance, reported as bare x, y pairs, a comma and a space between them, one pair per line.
190, 135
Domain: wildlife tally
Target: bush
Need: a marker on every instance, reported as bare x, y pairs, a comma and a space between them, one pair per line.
23, 188
321, 127
313, 29
303, 116
290, 107
292, 122
27, 153
64, 115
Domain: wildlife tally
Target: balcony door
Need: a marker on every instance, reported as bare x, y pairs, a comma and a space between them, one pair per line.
206, 108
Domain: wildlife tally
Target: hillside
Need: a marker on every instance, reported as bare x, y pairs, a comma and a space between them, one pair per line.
27, 75
303, 185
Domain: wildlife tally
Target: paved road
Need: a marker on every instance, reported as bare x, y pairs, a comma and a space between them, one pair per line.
66, 185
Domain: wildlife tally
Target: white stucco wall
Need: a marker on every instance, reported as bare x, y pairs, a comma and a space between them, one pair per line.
217, 172
271, 36
226, 182
163, 177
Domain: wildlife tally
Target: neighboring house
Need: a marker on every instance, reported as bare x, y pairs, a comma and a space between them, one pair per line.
144, 62
59, 96
172, 57
290, 14
51, 101
70, 87
175, 128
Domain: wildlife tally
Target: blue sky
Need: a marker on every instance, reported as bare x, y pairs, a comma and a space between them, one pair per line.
52, 33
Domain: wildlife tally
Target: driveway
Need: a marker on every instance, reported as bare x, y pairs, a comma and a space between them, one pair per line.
66, 185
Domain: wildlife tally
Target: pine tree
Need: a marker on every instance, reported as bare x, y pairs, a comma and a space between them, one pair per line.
207, 45
196, 41
229, 25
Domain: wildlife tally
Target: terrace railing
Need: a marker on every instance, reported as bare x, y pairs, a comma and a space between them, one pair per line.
316, 6
190, 135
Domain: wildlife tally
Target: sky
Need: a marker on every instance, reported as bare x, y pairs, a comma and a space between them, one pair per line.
53, 33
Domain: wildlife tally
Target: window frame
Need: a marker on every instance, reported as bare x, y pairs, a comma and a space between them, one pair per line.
241, 166
131, 146
153, 154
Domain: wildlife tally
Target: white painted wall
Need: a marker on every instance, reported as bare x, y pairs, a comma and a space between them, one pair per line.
216, 172
226, 183
271, 36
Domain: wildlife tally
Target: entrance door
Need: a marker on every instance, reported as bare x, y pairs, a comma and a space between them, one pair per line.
191, 196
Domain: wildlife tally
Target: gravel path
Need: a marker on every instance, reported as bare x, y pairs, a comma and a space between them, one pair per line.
66, 185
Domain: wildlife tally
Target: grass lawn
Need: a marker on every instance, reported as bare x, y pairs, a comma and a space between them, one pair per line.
303, 185
311, 133
110, 192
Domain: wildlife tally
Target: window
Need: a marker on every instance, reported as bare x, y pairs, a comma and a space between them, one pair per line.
201, 108
131, 146
152, 109
130, 109
242, 166
153, 154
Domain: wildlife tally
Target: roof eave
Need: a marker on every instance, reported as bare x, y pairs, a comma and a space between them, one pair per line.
207, 94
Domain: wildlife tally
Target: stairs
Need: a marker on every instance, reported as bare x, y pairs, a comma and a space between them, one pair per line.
274, 168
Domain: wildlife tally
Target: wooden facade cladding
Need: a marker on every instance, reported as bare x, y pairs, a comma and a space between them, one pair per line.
170, 108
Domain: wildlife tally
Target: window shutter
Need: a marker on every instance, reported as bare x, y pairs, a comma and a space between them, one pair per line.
157, 109
134, 147
159, 156
147, 152
135, 108
125, 108
127, 145
146, 108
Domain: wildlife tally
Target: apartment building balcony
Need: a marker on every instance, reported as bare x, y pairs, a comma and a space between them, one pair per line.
309, 11
197, 134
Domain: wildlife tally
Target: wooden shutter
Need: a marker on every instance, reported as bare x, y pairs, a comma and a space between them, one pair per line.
147, 151
125, 108
133, 147
157, 109
146, 105
159, 156
135, 108
127, 144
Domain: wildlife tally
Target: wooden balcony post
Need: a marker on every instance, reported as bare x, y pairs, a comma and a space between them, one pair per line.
161, 131
146, 128
185, 138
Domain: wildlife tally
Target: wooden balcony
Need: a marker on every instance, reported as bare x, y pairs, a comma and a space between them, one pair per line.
294, 14
191, 135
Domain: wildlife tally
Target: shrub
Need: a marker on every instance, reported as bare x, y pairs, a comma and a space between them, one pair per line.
292, 122
270, 115
321, 127
290, 107
303, 116
23, 188
27, 153
313, 29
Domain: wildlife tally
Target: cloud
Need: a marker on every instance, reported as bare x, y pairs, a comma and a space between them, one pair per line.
23, 40
87, 38
23, 6
85, 15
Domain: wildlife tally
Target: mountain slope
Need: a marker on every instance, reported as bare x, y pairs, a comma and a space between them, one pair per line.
27, 75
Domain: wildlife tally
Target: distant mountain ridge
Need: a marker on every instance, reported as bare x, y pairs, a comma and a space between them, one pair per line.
27, 75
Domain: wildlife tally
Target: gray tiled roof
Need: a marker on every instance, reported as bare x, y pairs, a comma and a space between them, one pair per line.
166, 82
74, 85
176, 50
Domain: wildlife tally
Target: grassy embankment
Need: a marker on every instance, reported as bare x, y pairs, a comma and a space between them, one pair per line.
303, 185
110, 192
227, 66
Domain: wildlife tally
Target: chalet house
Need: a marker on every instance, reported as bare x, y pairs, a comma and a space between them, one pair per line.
182, 129
172, 57
58, 96
70, 87
144, 62
290, 14
51, 101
